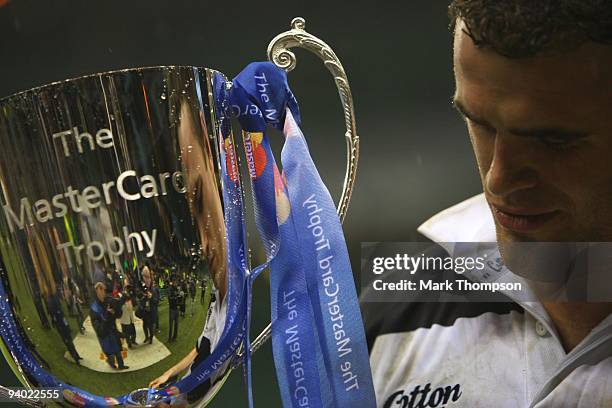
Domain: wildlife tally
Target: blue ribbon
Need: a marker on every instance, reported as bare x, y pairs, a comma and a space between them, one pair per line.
318, 339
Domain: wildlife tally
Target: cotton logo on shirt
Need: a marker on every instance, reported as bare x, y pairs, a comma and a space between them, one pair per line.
424, 397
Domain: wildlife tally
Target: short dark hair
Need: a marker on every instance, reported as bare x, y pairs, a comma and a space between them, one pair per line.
524, 28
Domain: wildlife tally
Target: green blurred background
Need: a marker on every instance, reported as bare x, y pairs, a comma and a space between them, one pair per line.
416, 158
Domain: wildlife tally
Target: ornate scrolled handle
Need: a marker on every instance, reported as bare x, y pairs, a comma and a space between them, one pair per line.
279, 53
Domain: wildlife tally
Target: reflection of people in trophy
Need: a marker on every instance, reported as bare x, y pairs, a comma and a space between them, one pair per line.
156, 295
202, 290
39, 308
103, 316
75, 303
192, 294
149, 299
50, 294
207, 214
205, 344
173, 306
127, 317
61, 325
182, 297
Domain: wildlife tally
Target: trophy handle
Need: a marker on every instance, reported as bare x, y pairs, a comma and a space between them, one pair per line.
281, 56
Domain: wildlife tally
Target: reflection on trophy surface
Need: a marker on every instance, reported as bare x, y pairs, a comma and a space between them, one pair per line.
207, 214
112, 226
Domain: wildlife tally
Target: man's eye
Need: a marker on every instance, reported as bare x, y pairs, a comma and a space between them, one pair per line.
558, 142
555, 141
483, 128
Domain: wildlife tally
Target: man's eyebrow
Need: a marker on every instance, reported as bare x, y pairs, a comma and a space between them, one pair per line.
544, 132
463, 111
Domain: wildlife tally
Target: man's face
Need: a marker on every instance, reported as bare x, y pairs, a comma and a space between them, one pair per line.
100, 293
541, 128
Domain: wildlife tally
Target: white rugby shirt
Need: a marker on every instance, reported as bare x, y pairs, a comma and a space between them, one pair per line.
501, 355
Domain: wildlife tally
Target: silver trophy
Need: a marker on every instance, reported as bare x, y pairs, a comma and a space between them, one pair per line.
112, 229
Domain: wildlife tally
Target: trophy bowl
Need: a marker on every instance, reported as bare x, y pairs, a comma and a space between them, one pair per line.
113, 231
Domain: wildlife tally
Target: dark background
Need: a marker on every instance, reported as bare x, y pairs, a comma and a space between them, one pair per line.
415, 155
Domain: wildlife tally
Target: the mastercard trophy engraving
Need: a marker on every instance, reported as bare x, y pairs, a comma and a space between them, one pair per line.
115, 226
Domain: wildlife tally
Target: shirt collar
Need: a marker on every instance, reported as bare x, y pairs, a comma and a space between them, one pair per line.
468, 221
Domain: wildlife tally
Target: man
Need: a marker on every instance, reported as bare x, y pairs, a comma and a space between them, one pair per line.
534, 85
149, 299
173, 308
103, 317
127, 317
61, 325
183, 296
155, 295
75, 303
192, 294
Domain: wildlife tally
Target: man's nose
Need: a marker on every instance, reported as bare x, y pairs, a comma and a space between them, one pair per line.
512, 168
